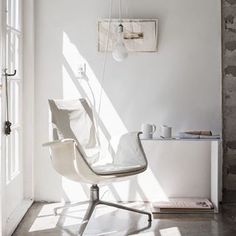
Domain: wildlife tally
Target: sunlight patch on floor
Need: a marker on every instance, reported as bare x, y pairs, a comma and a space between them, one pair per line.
70, 219
107, 233
44, 223
144, 234
174, 231
46, 220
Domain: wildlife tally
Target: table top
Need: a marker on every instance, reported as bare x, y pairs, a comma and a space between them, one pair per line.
219, 139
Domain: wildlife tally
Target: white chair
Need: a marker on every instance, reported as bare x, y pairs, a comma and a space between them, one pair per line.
76, 154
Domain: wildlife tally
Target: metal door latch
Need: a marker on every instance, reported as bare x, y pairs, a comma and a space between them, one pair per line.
7, 127
7, 124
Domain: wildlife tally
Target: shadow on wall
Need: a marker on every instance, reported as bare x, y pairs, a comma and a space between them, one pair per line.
110, 124
133, 93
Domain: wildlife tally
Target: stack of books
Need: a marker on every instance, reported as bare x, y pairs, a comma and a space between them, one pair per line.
197, 135
183, 205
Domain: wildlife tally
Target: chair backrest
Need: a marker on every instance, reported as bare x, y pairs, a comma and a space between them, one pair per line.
74, 119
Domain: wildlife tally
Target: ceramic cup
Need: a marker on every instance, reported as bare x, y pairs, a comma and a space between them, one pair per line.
166, 131
148, 130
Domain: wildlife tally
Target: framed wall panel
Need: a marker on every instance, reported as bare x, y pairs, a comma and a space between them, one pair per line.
140, 35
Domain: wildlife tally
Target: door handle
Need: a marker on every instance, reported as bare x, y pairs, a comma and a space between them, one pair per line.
7, 124
9, 74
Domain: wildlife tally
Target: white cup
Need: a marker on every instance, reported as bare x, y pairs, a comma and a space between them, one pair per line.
165, 131
147, 130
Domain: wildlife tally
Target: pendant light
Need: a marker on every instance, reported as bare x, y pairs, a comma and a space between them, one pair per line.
120, 51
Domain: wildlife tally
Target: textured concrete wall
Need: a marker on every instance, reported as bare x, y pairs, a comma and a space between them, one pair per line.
229, 99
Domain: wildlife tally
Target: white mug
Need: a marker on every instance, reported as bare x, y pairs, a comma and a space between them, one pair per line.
148, 130
165, 131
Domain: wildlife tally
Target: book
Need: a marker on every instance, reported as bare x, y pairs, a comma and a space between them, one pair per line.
183, 205
181, 211
205, 133
189, 135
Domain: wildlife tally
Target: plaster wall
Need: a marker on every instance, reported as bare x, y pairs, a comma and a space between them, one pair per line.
180, 85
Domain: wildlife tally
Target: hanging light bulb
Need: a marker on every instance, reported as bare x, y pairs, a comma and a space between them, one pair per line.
120, 51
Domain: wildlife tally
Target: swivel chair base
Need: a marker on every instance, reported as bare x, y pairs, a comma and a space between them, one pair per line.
94, 201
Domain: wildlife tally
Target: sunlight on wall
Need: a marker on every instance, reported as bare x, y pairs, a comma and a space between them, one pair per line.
154, 188
69, 89
71, 188
110, 125
108, 114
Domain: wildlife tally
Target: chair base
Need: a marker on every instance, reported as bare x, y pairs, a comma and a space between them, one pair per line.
94, 201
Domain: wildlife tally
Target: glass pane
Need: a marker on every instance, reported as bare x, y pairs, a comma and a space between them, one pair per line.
14, 102
7, 47
13, 62
13, 14
17, 53
10, 49
13, 52
15, 152
8, 159
13, 155
8, 15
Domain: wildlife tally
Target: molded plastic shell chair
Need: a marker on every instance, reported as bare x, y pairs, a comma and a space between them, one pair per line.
75, 153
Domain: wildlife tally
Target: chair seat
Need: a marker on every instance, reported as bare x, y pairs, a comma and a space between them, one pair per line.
114, 169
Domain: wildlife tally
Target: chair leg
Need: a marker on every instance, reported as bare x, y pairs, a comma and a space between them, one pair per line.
126, 208
87, 216
94, 201
55, 210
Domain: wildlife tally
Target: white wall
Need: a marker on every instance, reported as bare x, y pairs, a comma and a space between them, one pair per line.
28, 91
180, 85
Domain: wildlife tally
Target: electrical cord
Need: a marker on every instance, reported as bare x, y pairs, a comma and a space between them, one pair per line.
104, 67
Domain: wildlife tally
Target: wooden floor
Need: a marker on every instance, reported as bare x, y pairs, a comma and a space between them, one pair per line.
108, 221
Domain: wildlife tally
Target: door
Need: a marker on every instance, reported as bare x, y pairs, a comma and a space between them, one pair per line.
11, 145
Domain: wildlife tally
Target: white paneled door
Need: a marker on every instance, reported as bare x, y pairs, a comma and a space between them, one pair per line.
12, 189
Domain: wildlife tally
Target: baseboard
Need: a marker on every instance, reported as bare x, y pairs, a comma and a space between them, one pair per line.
16, 217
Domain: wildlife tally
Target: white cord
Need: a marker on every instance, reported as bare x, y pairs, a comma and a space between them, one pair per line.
104, 69
120, 10
127, 9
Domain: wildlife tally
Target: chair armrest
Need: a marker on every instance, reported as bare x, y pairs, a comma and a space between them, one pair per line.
58, 142
130, 151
